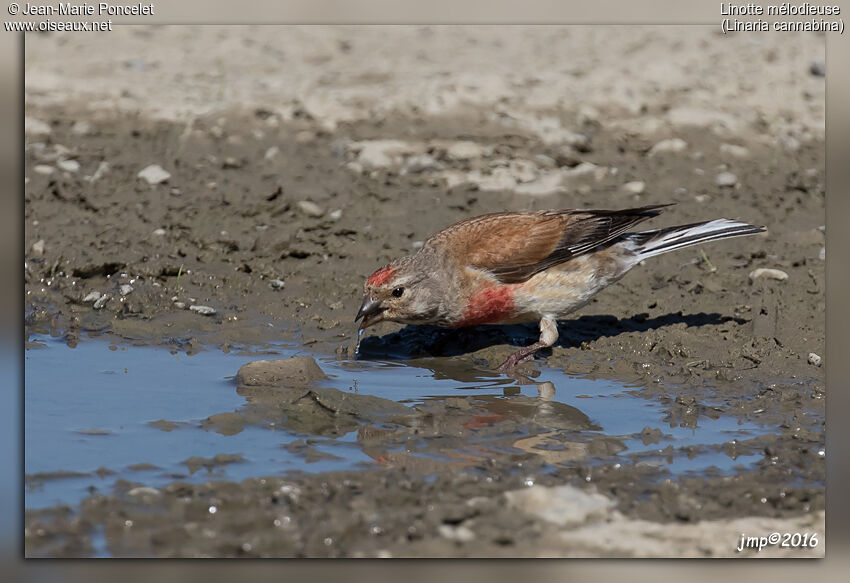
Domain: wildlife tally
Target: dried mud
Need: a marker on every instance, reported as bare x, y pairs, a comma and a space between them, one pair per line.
688, 330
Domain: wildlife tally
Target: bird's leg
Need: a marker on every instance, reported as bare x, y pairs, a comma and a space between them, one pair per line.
548, 336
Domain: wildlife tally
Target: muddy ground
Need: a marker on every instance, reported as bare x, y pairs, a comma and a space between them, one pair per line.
274, 223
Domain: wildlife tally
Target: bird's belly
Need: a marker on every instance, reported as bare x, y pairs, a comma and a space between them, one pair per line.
558, 292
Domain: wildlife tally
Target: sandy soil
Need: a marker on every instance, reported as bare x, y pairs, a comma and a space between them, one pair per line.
300, 159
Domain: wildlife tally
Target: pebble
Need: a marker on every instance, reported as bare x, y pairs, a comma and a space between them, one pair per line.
822, 254
634, 187
776, 274
734, 150
310, 208
159, 232
464, 150
43, 169
81, 128
726, 179
180, 305
153, 174
101, 301
125, 289
818, 68
102, 169
671, 145
38, 247
271, 153
295, 371
34, 127
143, 490
92, 297
814, 359
69, 165
277, 284
203, 310
420, 163
335, 215
458, 533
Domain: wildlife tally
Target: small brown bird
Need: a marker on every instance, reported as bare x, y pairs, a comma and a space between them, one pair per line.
506, 268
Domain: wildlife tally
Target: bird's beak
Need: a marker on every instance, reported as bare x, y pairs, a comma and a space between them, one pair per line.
371, 311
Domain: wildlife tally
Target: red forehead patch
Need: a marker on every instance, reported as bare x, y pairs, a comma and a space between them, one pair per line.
381, 276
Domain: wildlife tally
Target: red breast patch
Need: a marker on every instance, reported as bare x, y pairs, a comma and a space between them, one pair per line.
489, 306
381, 276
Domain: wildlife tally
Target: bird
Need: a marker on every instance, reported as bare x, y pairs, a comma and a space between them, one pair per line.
514, 267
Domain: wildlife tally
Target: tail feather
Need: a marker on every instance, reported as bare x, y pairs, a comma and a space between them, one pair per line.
651, 243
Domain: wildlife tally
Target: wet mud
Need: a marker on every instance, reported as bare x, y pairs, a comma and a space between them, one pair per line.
264, 232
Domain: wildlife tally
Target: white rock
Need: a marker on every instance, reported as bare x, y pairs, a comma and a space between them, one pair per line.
384, 153
38, 247
634, 187
203, 310
277, 284
734, 151
814, 359
125, 289
43, 169
768, 273
101, 301
69, 165
335, 215
822, 254
92, 297
420, 163
271, 153
310, 208
671, 145
153, 174
726, 179
35, 127
81, 128
144, 490
159, 232
102, 169
464, 150
459, 533
562, 505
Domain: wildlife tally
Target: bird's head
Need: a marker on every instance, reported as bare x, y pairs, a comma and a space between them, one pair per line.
400, 291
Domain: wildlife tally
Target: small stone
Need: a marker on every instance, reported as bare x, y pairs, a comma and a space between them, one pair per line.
814, 359
35, 127
776, 274
125, 289
159, 232
822, 254
38, 247
420, 163
43, 169
203, 310
101, 301
335, 215
464, 150
634, 187
69, 165
310, 208
671, 145
277, 284
818, 68
231, 163
734, 151
271, 153
153, 174
180, 305
726, 179
102, 169
92, 297
81, 128
143, 490
457, 533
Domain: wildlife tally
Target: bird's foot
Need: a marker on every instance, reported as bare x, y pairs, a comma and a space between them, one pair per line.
515, 359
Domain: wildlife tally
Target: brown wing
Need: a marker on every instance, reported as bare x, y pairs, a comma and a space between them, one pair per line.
515, 246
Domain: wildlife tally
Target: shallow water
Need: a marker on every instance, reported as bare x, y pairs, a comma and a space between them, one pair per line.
93, 406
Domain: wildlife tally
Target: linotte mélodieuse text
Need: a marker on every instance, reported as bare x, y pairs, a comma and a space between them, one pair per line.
99, 9
806, 14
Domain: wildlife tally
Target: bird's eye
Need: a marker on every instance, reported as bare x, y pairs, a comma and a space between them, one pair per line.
398, 292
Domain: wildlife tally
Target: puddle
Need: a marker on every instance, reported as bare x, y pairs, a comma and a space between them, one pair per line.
97, 413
